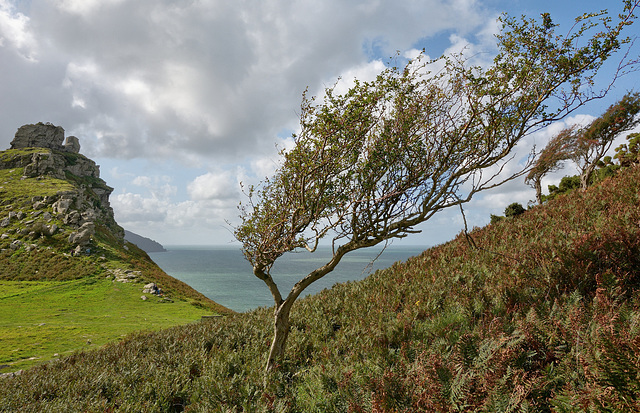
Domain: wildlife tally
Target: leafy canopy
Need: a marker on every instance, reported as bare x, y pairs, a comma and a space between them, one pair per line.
370, 164
629, 155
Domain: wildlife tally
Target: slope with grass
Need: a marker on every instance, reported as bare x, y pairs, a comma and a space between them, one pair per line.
536, 313
68, 279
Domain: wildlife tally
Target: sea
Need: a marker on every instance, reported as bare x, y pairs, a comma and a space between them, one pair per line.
223, 274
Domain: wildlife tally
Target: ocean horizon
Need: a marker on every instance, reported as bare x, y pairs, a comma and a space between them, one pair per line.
222, 273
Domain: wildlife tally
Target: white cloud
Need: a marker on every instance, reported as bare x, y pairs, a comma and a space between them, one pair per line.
151, 206
218, 186
84, 7
134, 208
363, 72
412, 54
209, 79
264, 167
15, 33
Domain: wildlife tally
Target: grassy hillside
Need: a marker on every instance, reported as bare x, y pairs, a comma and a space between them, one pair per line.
47, 319
537, 313
44, 319
53, 300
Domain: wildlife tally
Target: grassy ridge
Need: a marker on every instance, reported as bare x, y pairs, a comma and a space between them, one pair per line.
538, 313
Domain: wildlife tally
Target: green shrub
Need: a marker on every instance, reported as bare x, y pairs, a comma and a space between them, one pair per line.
513, 210
496, 218
567, 184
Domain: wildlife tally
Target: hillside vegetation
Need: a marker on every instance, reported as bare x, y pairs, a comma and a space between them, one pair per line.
68, 279
535, 313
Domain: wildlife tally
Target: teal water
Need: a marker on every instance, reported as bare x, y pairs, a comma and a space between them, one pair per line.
223, 275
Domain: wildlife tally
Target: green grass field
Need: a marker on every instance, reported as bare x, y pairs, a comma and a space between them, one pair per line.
40, 319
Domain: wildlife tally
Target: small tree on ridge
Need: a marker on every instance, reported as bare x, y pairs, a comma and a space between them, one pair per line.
592, 143
550, 159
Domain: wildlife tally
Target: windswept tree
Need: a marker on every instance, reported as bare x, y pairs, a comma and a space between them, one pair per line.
550, 159
591, 143
371, 164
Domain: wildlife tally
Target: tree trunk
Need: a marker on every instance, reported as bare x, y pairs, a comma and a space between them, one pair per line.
282, 323
281, 327
538, 187
585, 176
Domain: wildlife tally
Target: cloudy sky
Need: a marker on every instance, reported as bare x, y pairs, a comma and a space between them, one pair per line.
180, 100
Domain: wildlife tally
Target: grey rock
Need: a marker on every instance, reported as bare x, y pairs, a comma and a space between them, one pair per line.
45, 163
88, 215
50, 137
62, 205
39, 135
83, 236
72, 144
152, 288
72, 218
103, 194
10, 375
39, 205
84, 167
87, 202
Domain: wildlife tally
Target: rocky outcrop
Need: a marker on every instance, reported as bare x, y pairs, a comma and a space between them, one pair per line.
44, 135
39, 135
39, 151
123, 276
56, 165
72, 144
82, 237
51, 158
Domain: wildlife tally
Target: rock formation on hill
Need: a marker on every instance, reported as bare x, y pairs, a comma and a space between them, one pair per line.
44, 135
77, 200
54, 159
